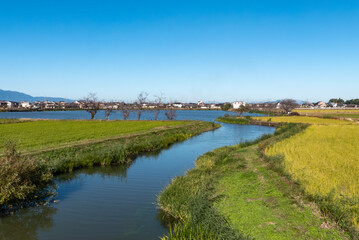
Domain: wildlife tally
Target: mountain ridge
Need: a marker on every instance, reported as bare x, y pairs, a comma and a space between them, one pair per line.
8, 95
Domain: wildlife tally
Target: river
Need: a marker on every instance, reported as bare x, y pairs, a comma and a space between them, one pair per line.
119, 202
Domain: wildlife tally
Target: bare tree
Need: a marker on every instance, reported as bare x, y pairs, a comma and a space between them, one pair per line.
288, 105
124, 110
158, 102
141, 99
239, 111
91, 104
171, 112
108, 112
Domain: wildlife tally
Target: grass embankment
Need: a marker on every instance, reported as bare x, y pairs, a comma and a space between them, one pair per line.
330, 113
117, 142
233, 193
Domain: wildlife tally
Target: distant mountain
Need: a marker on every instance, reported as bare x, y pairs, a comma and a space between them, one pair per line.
18, 97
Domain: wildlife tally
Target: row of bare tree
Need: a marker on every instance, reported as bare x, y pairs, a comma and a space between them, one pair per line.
92, 106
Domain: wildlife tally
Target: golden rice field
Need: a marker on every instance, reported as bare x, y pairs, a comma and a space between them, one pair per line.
324, 159
305, 119
327, 111
330, 113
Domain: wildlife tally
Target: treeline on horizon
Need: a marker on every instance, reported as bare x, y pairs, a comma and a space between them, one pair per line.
340, 100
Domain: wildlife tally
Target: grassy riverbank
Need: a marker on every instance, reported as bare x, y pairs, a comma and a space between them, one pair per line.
79, 145
233, 120
234, 193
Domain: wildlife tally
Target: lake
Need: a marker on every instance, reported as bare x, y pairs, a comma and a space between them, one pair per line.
205, 115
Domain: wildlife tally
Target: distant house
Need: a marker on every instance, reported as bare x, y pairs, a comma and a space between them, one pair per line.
49, 105
238, 104
200, 104
177, 105
307, 105
333, 104
320, 104
72, 105
25, 105
215, 106
9, 104
4, 104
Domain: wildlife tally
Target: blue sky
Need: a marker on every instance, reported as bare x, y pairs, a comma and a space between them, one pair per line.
189, 50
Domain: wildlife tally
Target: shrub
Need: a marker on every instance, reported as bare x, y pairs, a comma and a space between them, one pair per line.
21, 178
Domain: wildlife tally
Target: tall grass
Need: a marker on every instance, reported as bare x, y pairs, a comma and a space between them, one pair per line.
21, 178
187, 231
190, 198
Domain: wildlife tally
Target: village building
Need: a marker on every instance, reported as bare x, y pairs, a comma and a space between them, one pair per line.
238, 104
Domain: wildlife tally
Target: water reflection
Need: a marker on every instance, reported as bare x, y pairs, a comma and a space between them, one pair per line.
118, 171
27, 224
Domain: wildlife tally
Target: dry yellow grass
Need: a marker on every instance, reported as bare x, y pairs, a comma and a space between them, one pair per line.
304, 119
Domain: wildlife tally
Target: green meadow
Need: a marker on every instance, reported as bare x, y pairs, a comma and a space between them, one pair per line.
45, 134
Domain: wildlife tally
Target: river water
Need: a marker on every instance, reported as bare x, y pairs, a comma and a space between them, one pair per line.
119, 202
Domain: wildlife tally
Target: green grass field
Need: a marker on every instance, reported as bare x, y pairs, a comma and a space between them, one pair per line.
38, 135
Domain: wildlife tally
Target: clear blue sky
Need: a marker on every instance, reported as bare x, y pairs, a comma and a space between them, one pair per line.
189, 50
